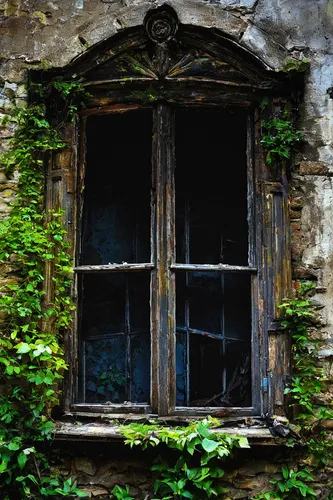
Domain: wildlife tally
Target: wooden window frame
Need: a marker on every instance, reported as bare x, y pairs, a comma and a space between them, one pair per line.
267, 208
163, 268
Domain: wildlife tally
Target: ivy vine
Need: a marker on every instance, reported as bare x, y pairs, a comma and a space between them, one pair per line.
308, 434
31, 354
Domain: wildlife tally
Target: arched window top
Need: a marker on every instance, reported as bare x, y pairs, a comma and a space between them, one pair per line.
162, 51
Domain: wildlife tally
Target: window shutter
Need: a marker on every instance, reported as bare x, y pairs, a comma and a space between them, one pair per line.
60, 195
278, 286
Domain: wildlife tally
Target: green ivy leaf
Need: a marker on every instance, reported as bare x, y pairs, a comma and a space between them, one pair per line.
22, 459
23, 348
209, 445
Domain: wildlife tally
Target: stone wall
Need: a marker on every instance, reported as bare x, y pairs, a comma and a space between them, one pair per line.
37, 34
104, 465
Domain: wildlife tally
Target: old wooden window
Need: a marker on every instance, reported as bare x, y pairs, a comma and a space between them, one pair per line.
181, 246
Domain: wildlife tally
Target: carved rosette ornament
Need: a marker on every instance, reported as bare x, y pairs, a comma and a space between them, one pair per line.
161, 25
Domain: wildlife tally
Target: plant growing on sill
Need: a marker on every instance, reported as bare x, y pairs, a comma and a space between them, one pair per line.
194, 469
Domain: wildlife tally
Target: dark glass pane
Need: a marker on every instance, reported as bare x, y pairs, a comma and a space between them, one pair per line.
140, 365
181, 369
182, 237
206, 369
211, 187
238, 374
105, 368
139, 298
204, 292
102, 304
205, 220
237, 306
181, 300
116, 364
213, 317
116, 215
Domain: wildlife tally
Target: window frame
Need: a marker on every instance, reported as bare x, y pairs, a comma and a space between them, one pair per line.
267, 204
163, 319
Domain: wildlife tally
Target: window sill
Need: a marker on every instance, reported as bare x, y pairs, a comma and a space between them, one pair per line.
109, 431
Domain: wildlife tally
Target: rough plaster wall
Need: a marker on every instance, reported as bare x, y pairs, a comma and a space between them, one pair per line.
34, 33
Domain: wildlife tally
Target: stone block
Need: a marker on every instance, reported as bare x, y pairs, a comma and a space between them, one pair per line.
86, 466
314, 168
250, 483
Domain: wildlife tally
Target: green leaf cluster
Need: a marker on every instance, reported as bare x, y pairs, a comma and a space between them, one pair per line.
73, 93
194, 469
280, 137
122, 493
291, 486
296, 66
309, 378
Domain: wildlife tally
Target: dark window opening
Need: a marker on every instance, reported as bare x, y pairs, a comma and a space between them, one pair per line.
116, 218
211, 187
213, 312
114, 308
213, 307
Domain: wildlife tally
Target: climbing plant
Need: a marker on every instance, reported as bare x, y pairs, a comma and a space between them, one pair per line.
309, 379
308, 436
31, 354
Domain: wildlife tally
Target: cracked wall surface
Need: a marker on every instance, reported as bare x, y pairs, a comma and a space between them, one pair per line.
37, 34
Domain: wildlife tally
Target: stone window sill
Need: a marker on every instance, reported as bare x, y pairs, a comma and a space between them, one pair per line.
109, 431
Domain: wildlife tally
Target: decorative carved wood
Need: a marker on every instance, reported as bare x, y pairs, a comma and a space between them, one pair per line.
164, 50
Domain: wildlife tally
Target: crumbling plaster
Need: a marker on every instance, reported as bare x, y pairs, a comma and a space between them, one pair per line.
36, 33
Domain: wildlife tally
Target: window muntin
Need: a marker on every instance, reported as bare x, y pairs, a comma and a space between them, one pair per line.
213, 341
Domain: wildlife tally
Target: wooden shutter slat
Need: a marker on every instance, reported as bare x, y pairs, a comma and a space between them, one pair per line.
278, 286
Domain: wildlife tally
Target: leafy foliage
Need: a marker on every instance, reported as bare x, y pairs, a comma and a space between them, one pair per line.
31, 356
307, 382
194, 471
280, 137
309, 379
72, 93
291, 486
122, 493
294, 66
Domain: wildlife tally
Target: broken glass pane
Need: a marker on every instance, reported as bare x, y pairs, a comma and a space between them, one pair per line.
213, 316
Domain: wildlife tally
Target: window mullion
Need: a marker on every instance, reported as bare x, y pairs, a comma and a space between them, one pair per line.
163, 283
